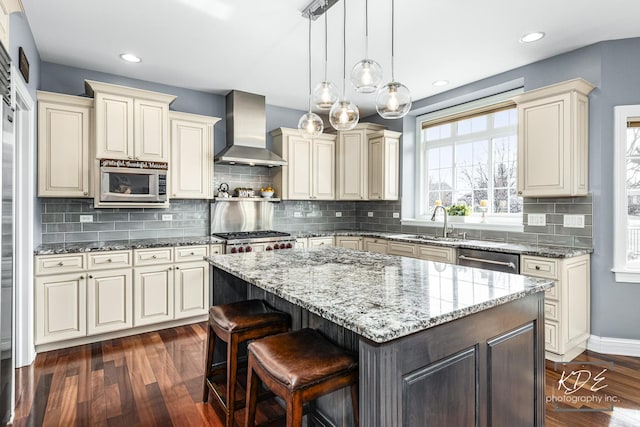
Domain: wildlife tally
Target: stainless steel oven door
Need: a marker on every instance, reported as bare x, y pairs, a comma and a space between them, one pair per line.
133, 185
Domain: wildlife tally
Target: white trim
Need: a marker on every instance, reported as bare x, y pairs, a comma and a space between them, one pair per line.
619, 346
466, 225
24, 347
623, 272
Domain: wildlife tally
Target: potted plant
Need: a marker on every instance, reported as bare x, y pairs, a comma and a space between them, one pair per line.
457, 213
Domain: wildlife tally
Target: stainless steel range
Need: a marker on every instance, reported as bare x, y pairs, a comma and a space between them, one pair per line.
256, 241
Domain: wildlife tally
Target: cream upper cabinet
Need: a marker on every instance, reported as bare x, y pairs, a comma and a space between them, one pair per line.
351, 161
191, 155
384, 165
553, 139
310, 170
7, 7
131, 124
63, 145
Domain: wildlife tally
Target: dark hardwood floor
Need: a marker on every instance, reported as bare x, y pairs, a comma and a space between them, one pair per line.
156, 379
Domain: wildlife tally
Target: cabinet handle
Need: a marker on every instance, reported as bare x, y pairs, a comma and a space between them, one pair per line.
86, 193
537, 267
60, 264
215, 252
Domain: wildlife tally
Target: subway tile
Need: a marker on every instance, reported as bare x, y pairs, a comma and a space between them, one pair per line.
143, 216
538, 208
81, 237
544, 229
129, 225
574, 209
582, 242
156, 225
170, 232
63, 227
113, 235
558, 200
555, 218
584, 199
98, 226
530, 238
586, 231
112, 216
51, 218
143, 234
53, 238
530, 200
496, 236
553, 240
195, 232
63, 207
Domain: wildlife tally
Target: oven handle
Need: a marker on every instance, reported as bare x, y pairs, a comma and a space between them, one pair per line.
488, 261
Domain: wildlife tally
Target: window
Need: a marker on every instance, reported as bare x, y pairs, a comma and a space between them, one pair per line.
471, 158
627, 193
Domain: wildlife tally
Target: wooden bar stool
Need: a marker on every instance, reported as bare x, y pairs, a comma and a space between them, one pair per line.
299, 367
235, 324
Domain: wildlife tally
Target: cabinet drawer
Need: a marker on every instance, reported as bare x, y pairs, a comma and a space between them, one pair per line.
402, 249
103, 260
432, 253
551, 310
552, 294
551, 335
320, 241
217, 249
54, 264
190, 253
152, 256
539, 267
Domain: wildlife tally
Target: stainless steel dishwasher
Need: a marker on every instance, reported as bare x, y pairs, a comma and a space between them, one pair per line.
489, 260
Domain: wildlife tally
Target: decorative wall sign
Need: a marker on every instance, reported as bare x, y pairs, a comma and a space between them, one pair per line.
23, 64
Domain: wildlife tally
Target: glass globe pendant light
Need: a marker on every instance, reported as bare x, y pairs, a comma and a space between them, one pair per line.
325, 93
393, 100
366, 75
310, 124
344, 114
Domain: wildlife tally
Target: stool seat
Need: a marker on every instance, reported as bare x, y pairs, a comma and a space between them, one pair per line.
243, 315
301, 358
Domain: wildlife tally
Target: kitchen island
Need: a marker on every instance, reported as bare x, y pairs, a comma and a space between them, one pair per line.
449, 344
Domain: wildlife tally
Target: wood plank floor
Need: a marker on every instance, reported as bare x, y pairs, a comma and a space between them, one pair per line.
156, 379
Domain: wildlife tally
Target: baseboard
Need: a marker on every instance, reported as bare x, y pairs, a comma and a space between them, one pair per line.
619, 346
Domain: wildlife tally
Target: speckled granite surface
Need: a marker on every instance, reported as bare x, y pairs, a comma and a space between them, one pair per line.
119, 245
379, 297
516, 248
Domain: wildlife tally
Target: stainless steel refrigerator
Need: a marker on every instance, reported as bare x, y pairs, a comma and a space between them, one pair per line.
7, 244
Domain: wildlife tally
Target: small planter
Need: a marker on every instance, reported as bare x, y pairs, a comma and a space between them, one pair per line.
458, 219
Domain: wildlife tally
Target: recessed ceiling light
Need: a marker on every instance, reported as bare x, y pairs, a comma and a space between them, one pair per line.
532, 37
130, 57
439, 83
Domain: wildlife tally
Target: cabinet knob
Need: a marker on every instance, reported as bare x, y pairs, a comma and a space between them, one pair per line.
154, 256
86, 193
537, 267
137, 158
215, 252
170, 268
520, 192
192, 253
60, 264
82, 277
90, 277
177, 268
175, 194
130, 157
109, 260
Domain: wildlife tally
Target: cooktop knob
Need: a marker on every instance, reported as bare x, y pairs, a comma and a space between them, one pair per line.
289, 245
249, 248
234, 250
268, 248
241, 249
276, 246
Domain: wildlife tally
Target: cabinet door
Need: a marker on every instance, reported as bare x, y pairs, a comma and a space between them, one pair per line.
191, 160
324, 170
375, 245
109, 300
544, 149
300, 167
63, 150
315, 242
151, 130
352, 166
114, 126
376, 170
301, 243
152, 294
191, 289
61, 307
349, 242
391, 181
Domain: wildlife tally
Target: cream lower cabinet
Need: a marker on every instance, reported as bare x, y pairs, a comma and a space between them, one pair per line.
153, 294
60, 307
191, 282
314, 242
191, 163
301, 242
402, 249
553, 140
109, 301
567, 304
437, 253
383, 174
372, 244
310, 170
63, 145
217, 249
349, 242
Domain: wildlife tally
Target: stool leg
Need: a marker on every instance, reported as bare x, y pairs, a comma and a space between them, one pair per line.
294, 410
252, 394
355, 403
211, 341
232, 370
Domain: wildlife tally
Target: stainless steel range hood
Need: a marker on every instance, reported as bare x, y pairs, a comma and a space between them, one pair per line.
247, 132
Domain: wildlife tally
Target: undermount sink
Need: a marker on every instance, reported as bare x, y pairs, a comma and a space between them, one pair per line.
426, 237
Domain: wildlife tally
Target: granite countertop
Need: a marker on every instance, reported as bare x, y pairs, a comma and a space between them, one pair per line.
515, 248
379, 297
121, 245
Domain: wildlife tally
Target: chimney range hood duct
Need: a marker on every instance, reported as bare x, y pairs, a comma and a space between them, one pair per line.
247, 132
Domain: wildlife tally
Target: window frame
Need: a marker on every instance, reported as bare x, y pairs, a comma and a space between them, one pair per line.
505, 222
624, 271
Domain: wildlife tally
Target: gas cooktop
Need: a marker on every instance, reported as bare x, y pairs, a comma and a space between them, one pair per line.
251, 235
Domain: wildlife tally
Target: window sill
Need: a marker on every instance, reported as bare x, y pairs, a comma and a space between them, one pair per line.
626, 275
519, 228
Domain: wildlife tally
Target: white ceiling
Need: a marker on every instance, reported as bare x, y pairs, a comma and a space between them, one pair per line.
260, 46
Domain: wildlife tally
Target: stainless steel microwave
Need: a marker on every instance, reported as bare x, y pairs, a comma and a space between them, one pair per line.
133, 181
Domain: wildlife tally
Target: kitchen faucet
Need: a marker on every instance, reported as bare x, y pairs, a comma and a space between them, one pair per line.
445, 229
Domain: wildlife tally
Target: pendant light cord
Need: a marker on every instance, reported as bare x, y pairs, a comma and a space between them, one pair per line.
309, 63
326, 50
366, 29
393, 20
344, 49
